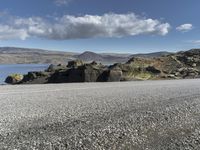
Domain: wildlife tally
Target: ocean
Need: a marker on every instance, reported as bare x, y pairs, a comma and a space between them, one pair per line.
8, 69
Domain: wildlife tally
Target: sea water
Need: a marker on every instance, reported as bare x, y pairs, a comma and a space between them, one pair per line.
8, 69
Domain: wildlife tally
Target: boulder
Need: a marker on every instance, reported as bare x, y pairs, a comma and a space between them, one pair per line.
114, 75
14, 78
194, 65
34, 75
53, 68
91, 73
68, 76
94, 63
111, 75
171, 76
188, 72
153, 70
192, 52
39, 77
75, 63
190, 58
84, 73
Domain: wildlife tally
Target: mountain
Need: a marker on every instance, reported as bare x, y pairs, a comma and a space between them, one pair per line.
103, 58
90, 56
13, 55
17, 50
115, 58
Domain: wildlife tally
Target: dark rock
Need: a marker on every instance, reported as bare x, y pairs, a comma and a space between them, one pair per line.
94, 63
75, 63
116, 65
70, 75
39, 77
34, 75
131, 60
111, 75
14, 78
190, 58
84, 73
188, 72
91, 72
53, 68
152, 69
192, 52
114, 75
171, 76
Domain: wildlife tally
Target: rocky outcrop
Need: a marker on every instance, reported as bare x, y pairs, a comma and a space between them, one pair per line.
84, 73
188, 72
91, 72
153, 70
75, 63
114, 75
190, 58
14, 79
174, 66
53, 68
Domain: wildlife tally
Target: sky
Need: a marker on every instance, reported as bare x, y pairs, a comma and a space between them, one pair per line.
121, 26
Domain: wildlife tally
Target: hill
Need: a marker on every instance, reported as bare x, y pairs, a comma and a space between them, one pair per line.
90, 56
103, 58
13, 55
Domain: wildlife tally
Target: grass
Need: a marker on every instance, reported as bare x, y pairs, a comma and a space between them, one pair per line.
139, 75
17, 77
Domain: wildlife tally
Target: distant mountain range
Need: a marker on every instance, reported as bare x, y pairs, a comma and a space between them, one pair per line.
13, 55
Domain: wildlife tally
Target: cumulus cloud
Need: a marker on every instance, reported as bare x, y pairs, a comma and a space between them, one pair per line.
87, 26
185, 27
7, 32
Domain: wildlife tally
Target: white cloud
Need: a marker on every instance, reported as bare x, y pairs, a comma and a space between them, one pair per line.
62, 2
185, 27
7, 32
196, 42
88, 26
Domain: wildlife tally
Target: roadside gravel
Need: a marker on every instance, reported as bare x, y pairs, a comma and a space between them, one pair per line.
140, 115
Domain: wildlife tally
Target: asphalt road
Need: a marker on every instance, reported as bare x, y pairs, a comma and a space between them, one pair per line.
141, 115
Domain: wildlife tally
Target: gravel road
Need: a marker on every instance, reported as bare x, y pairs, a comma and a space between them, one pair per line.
140, 115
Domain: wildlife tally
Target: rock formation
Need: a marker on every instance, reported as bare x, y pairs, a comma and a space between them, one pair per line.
14, 78
173, 66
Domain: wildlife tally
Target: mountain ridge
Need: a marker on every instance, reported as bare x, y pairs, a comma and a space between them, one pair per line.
17, 55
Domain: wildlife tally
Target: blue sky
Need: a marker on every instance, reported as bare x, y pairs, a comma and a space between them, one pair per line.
132, 26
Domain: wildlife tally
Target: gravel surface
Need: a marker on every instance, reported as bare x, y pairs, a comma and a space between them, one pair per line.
140, 115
